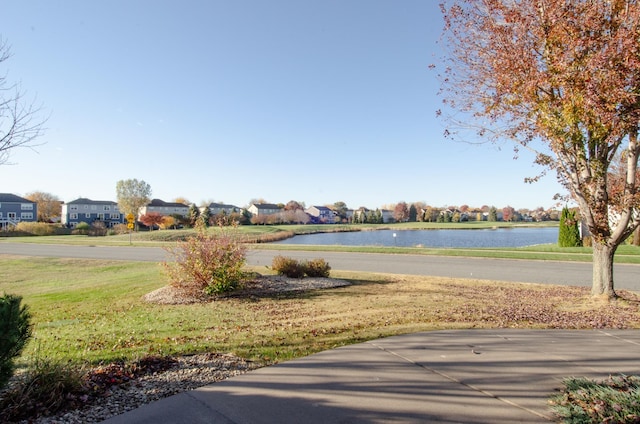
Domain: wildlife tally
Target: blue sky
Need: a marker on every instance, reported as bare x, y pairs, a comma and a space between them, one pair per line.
228, 101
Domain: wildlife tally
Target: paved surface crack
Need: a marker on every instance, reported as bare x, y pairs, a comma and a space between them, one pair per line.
455, 380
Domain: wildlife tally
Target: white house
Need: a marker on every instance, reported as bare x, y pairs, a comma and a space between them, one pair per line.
165, 208
263, 209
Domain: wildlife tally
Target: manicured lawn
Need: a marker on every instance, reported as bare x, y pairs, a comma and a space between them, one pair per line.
88, 310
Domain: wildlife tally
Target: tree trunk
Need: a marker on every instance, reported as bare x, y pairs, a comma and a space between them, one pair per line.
603, 270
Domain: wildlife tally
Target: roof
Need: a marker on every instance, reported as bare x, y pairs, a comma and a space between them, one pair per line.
158, 202
12, 198
266, 206
85, 201
222, 205
322, 208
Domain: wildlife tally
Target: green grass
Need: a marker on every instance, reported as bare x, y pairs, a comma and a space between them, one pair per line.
614, 400
92, 310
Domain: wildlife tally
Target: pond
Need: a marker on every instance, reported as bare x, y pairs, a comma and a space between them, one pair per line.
500, 237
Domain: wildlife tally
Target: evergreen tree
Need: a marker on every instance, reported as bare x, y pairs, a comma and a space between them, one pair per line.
379, 219
194, 214
370, 218
205, 216
493, 214
413, 213
568, 232
15, 331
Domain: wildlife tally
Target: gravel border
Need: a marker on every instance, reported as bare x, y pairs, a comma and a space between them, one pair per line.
188, 373
264, 285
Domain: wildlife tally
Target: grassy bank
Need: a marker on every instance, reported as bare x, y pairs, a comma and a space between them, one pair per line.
87, 310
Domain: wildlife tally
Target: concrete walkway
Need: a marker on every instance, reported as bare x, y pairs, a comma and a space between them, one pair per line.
468, 376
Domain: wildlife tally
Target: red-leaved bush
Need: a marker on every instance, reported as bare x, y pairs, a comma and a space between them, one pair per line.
207, 263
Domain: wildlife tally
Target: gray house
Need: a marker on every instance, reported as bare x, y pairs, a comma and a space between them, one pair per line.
219, 208
14, 209
90, 211
322, 214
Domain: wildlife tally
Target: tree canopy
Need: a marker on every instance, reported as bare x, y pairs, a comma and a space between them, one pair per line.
132, 195
561, 78
49, 205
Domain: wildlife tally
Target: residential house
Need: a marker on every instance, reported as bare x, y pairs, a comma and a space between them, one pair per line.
165, 208
219, 208
264, 209
451, 212
90, 211
14, 209
321, 214
359, 215
387, 216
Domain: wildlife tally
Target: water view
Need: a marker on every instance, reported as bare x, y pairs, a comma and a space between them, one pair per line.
501, 237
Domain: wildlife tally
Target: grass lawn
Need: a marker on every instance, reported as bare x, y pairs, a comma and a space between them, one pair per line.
89, 310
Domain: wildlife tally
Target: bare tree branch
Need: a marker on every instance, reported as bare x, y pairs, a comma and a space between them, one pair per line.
20, 122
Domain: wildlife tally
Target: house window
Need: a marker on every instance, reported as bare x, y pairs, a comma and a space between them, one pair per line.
107, 207
73, 216
87, 215
26, 206
26, 215
115, 216
73, 207
101, 216
85, 206
11, 215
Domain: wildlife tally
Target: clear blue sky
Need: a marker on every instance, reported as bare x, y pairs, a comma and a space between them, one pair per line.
313, 101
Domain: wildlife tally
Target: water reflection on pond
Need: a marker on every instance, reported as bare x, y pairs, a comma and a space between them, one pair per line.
500, 237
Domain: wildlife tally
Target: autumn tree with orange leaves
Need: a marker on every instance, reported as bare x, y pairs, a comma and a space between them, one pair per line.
152, 219
562, 79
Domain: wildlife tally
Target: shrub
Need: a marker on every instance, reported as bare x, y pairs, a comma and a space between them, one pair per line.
317, 268
36, 228
15, 331
47, 387
51, 386
568, 232
287, 266
295, 269
98, 228
120, 229
207, 263
82, 228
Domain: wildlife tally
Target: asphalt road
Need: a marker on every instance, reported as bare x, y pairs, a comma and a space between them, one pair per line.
548, 272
